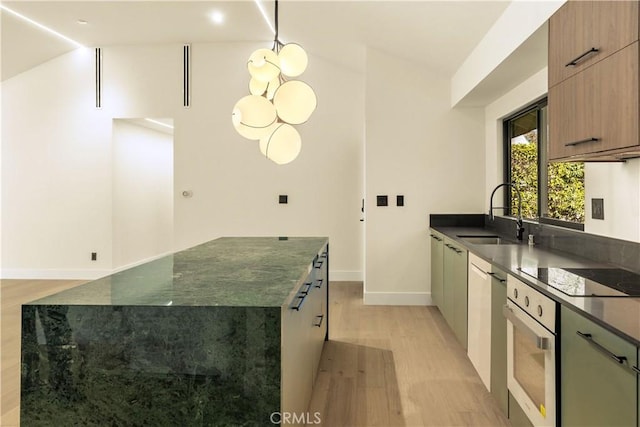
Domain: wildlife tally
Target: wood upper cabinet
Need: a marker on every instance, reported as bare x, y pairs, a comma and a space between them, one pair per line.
596, 111
582, 33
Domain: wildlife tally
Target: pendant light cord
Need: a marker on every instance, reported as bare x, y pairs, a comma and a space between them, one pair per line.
276, 42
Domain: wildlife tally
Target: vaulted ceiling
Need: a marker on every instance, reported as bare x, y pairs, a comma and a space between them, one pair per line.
436, 34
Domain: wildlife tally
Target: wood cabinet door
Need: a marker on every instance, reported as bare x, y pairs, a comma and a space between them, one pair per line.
596, 110
615, 83
568, 38
580, 26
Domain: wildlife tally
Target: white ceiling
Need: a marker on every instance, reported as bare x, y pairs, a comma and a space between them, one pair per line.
436, 34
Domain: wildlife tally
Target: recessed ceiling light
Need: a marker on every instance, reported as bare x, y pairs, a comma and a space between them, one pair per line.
217, 17
82, 22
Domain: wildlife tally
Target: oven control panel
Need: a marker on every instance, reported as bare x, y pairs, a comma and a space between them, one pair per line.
537, 305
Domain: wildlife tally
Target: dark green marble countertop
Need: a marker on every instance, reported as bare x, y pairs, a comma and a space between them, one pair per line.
229, 271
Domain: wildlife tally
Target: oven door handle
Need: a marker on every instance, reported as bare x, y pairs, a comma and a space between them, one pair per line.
541, 342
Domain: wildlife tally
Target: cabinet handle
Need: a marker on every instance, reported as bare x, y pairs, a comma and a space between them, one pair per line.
300, 299
582, 141
635, 369
436, 237
319, 283
601, 348
498, 278
305, 291
319, 264
581, 57
321, 317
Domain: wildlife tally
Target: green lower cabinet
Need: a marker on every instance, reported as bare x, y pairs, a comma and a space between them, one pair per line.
437, 268
499, 339
596, 390
517, 417
455, 289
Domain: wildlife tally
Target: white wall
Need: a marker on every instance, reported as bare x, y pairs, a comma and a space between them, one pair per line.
57, 156
419, 147
142, 193
516, 24
56, 172
619, 185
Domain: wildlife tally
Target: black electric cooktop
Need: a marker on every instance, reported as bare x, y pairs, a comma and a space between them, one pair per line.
588, 282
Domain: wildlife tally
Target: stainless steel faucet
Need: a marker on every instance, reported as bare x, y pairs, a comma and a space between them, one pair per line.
519, 223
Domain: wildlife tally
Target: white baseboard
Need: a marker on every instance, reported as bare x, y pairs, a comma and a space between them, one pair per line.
397, 298
345, 276
53, 274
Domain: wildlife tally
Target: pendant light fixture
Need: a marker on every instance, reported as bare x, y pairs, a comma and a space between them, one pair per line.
276, 101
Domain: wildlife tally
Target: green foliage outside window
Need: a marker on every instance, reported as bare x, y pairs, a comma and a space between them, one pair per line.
566, 191
565, 184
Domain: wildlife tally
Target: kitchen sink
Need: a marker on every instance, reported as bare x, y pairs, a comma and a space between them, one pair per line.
486, 240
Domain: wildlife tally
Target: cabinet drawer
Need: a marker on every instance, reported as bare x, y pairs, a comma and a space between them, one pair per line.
596, 388
596, 110
580, 26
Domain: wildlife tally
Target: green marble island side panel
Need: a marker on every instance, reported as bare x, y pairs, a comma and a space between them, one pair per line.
229, 271
149, 365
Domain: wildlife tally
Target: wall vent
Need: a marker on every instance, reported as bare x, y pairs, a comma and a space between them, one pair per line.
98, 63
186, 75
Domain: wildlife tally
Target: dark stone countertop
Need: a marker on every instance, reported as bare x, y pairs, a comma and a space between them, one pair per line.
229, 271
619, 315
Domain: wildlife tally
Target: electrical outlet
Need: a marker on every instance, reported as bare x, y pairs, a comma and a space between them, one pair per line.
400, 200
382, 201
94, 256
283, 199
597, 208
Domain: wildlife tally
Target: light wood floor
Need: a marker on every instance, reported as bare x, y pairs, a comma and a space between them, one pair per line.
396, 366
384, 366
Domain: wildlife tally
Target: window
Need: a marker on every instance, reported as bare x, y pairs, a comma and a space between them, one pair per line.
551, 192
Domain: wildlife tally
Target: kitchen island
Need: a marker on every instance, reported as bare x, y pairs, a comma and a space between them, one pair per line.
225, 333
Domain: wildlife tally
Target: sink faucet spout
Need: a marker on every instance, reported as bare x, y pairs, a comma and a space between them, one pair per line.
519, 222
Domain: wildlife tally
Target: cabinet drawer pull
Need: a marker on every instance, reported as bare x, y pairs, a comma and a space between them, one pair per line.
498, 278
635, 369
582, 141
436, 237
319, 264
298, 305
581, 57
601, 348
321, 317
306, 290
319, 283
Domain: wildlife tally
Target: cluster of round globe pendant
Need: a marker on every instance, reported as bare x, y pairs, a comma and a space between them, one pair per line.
276, 101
